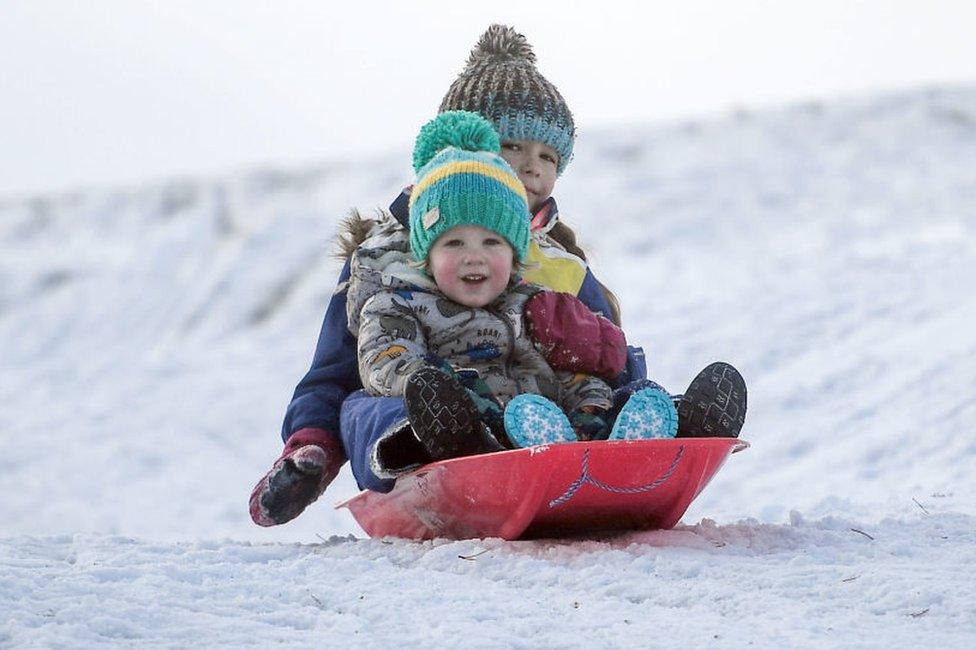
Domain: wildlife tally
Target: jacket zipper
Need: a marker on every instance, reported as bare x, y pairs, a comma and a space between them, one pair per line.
511, 347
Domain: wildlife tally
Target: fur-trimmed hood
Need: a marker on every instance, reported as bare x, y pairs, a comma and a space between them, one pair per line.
355, 229
379, 260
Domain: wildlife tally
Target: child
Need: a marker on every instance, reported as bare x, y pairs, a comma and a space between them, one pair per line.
501, 82
466, 308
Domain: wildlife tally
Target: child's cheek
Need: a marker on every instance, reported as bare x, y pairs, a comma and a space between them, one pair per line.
502, 265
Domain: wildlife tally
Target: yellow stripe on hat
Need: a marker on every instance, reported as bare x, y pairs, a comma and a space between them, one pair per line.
468, 167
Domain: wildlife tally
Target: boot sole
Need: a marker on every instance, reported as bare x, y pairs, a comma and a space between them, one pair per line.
443, 417
533, 420
648, 414
714, 404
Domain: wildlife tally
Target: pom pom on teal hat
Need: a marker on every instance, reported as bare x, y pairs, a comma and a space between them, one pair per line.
461, 180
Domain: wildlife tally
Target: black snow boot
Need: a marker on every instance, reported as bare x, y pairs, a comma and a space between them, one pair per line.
714, 404
444, 418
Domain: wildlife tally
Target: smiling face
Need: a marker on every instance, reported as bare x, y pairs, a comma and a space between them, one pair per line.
471, 265
535, 163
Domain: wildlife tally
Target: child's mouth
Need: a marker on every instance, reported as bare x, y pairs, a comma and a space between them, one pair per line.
473, 278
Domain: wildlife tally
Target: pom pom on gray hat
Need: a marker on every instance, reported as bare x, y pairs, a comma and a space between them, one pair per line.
501, 82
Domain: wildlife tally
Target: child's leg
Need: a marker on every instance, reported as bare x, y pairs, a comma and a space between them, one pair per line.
378, 440
490, 409
590, 425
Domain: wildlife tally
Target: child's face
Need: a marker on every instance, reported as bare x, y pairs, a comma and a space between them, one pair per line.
471, 265
535, 163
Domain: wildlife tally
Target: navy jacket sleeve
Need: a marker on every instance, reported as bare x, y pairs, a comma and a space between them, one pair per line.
333, 375
592, 295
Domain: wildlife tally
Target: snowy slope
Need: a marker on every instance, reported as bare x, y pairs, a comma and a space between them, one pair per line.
152, 337
729, 586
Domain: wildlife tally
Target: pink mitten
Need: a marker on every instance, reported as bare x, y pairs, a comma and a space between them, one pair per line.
311, 459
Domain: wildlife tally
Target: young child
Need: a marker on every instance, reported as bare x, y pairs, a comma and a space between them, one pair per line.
458, 338
501, 82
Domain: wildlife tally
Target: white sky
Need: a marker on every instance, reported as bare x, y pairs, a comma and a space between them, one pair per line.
116, 91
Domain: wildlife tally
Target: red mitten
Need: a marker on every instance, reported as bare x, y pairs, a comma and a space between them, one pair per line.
573, 338
311, 459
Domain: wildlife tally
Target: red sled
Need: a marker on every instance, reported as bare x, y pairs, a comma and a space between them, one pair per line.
547, 491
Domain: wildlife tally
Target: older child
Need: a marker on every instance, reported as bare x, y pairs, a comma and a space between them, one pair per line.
466, 309
501, 82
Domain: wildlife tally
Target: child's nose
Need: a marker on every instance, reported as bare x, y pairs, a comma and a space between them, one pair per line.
528, 167
473, 256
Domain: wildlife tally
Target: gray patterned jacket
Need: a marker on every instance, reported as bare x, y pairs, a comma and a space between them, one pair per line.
399, 317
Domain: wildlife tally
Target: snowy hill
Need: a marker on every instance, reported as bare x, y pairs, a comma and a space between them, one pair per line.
152, 337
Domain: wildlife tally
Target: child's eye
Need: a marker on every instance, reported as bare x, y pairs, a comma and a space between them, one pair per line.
511, 146
453, 243
549, 158
493, 241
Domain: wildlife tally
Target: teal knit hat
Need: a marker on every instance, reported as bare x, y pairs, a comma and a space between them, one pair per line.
461, 180
501, 82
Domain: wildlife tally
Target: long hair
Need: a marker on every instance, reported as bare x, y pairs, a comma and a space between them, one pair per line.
566, 238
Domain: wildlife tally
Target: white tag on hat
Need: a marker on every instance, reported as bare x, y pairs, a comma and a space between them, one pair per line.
431, 218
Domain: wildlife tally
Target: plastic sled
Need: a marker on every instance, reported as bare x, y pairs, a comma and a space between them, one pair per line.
569, 489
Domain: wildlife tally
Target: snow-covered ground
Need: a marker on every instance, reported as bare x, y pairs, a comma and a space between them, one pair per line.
151, 338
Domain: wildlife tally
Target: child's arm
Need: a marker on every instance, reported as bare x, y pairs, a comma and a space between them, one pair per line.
332, 376
391, 344
573, 338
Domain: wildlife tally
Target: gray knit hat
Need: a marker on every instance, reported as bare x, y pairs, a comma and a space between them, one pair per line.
501, 82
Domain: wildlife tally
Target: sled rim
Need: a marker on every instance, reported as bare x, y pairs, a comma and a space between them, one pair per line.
737, 446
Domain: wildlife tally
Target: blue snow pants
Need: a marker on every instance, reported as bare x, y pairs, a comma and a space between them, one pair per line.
363, 420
